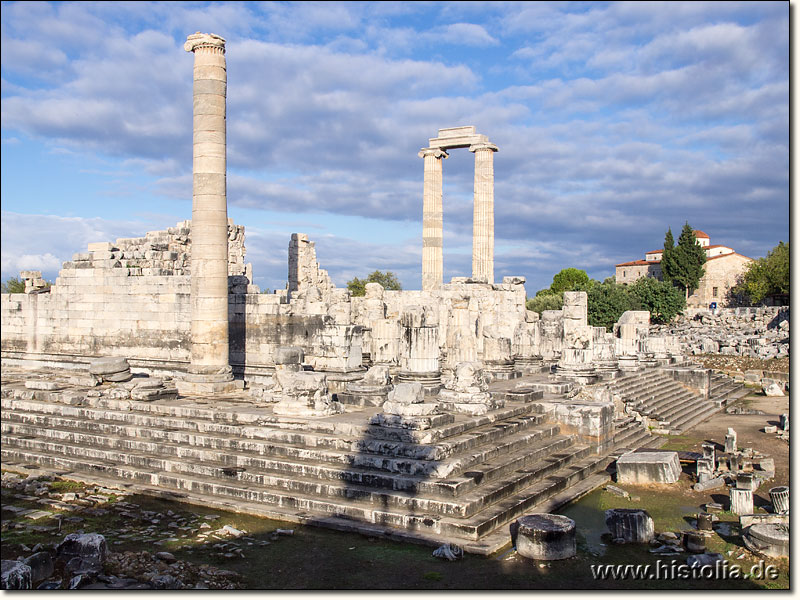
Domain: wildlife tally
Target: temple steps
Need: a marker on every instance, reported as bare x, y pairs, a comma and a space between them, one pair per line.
486, 440
538, 445
656, 395
472, 477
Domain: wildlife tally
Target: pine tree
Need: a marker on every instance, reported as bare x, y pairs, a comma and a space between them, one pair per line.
667, 258
685, 267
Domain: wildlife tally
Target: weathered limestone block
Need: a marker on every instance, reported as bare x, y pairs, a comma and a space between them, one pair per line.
406, 408
15, 575
552, 329
373, 389
630, 525
784, 423
591, 421
730, 441
407, 393
705, 469
467, 391
109, 366
41, 565
545, 537
741, 501
89, 547
289, 358
304, 394
648, 467
768, 539
773, 390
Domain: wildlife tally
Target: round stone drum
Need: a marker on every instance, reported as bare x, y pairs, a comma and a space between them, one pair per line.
544, 536
780, 499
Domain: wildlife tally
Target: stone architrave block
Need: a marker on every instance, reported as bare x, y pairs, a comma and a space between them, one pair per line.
648, 468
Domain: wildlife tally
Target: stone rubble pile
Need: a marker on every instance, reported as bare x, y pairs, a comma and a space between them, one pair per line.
761, 333
82, 560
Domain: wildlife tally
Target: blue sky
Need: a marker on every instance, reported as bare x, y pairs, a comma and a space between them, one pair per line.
614, 121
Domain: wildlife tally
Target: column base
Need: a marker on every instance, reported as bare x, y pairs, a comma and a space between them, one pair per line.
206, 380
431, 380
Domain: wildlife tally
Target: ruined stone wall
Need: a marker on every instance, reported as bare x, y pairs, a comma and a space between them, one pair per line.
761, 332
132, 298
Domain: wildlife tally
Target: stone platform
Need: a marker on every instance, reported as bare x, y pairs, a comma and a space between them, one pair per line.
460, 481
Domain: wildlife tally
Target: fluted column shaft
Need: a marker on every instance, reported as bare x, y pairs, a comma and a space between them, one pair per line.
432, 257
483, 215
209, 263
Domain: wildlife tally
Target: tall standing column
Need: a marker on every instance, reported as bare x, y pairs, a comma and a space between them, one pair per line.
483, 216
209, 370
432, 259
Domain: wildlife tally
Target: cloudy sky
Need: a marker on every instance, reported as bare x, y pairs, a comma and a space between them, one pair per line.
614, 121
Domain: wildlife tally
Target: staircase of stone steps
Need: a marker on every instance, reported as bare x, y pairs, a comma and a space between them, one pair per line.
724, 390
662, 399
459, 482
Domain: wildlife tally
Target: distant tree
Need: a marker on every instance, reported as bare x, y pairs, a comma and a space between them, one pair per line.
607, 301
12, 286
768, 275
389, 281
667, 257
547, 301
570, 280
685, 265
661, 299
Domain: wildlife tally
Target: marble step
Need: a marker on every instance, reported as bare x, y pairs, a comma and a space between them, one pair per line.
465, 433
501, 513
395, 509
483, 442
694, 418
322, 463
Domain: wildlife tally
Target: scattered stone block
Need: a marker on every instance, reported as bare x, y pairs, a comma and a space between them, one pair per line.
617, 491
631, 525
741, 501
15, 575
730, 441
767, 539
711, 484
545, 537
41, 565
108, 366
90, 547
784, 424
771, 429
648, 468
773, 390
709, 559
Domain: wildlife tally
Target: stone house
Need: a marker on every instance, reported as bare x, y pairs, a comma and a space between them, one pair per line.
722, 269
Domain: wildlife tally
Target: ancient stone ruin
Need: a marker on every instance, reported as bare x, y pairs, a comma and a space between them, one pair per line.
440, 415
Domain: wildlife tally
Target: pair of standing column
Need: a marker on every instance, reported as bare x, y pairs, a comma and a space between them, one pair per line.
483, 216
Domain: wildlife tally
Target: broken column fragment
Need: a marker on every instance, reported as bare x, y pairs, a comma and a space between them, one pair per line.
406, 409
545, 537
419, 348
466, 392
730, 441
304, 394
630, 525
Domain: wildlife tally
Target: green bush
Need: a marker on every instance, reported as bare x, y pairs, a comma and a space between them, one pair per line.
662, 299
545, 302
389, 281
607, 301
